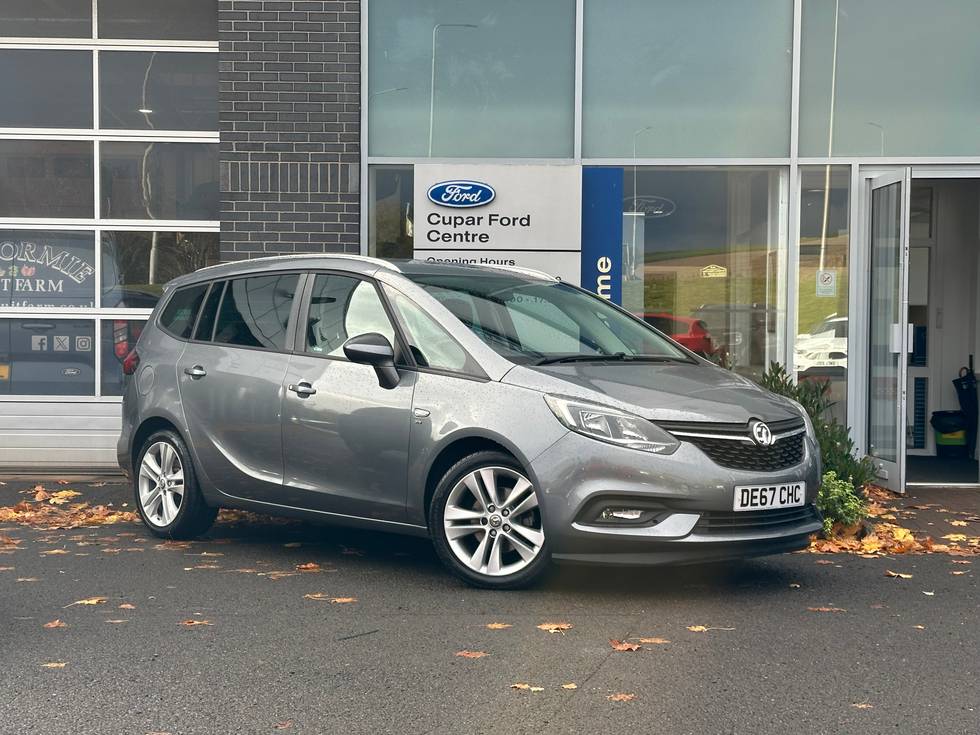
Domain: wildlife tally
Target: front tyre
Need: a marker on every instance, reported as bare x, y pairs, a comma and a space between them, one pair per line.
485, 523
167, 494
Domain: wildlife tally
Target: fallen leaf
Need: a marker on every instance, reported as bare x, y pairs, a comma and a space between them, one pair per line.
284, 725
954, 561
902, 534
957, 523
54, 665
957, 574
471, 654
499, 626
526, 687
342, 600
919, 627
28, 579
704, 629
621, 697
655, 641
624, 646
555, 627
930, 594
310, 566
41, 494
862, 705
56, 624
117, 621
569, 685
794, 585
955, 537
89, 601
55, 552
62, 496
318, 596
899, 575
127, 606
190, 623
827, 609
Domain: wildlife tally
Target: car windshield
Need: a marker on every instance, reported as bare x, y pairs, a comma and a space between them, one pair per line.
540, 322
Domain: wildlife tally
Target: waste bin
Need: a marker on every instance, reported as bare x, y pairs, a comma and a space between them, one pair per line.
951, 433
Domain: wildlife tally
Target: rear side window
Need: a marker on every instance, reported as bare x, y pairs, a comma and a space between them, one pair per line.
205, 325
255, 311
181, 311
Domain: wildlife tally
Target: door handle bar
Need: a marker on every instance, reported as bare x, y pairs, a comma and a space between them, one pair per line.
195, 372
302, 389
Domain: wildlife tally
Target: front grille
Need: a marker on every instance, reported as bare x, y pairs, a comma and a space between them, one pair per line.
727, 522
716, 440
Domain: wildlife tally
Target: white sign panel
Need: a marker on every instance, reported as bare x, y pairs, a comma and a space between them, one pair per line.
525, 216
827, 283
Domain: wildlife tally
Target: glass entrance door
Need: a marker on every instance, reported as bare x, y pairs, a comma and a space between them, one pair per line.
888, 345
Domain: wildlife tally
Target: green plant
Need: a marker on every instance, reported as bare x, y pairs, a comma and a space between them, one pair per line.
836, 446
839, 503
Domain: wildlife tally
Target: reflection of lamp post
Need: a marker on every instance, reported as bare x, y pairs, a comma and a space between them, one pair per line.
881, 134
830, 141
432, 83
146, 184
636, 135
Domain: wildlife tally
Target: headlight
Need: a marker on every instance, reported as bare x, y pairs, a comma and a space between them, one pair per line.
611, 425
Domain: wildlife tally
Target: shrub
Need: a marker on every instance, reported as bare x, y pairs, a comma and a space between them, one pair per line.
834, 439
839, 503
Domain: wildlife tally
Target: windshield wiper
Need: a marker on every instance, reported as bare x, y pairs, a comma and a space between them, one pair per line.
615, 357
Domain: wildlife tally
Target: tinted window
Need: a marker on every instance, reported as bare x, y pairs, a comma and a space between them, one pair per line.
340, 308
47, 357
179, 314
430, 344
46, 178
48, 19
158, 90
119, 337
255, 311
48, 89
205, 325
187, 20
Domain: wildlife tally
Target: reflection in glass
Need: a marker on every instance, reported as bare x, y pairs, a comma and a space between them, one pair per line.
117, 340
471, 78
48, 19
821, 342
185, 20
46, 178
391, 214
255, 311
47, 357
45, 88
709, 78
42, 268
158, 90
889, 78
159, 180
136, 265
709, 260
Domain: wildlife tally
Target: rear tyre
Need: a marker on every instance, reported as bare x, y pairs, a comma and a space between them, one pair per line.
485, 523
167, 494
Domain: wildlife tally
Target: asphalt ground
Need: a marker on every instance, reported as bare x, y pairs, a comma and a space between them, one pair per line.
900, 655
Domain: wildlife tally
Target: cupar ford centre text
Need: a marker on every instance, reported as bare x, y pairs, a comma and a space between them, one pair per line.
457, 222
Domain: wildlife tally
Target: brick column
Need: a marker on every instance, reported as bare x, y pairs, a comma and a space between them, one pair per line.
289, 77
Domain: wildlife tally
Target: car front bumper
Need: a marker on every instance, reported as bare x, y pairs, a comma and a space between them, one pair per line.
692, 498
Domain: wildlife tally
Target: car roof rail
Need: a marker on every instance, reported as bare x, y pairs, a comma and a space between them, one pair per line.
519, 269
310, 256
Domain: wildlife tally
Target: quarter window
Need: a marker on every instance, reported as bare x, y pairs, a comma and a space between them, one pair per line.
429, 342
342, 307
179, 315
255, 311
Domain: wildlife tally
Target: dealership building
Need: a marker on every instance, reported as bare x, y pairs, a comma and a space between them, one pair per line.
766, 180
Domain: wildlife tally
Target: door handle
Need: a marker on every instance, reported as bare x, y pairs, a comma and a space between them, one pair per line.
303, 389
195, 372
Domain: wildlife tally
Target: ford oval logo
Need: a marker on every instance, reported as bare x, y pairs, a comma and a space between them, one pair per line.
652, 206
461, 194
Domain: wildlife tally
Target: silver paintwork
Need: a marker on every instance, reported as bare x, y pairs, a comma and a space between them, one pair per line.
356, 453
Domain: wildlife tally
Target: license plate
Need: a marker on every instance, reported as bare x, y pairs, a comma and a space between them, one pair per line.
764, 497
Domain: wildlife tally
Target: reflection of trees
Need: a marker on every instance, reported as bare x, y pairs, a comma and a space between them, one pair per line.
177, 253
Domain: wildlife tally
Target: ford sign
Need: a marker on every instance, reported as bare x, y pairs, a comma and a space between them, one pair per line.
461, 194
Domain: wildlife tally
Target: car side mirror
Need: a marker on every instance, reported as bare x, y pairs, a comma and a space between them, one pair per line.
375, 350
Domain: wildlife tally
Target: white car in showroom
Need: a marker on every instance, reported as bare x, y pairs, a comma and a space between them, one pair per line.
824, 349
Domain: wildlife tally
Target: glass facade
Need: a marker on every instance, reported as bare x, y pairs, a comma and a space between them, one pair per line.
108, 181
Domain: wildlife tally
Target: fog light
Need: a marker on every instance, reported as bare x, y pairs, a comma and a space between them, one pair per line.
620, 514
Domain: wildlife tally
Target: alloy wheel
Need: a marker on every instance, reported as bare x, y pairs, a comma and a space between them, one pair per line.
161, 484
492, 521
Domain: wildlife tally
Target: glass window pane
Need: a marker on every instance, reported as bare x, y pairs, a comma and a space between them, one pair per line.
707, 78
185, 20
341, 308
46, 178
255, 311
391, 212
158, 90
209, 314
159, 181
45, 89
118, 339
49, 19
41, 268
709, 257
181, 311
47, 357
430, 344
906, 78
504, 77
136, 265
821, 342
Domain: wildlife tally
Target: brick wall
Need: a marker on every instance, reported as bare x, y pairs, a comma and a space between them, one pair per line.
290, 126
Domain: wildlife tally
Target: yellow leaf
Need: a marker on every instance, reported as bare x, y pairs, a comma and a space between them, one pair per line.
56, 624
957, 574
919, 627
955, 537
957, 523
902, 534
570, 685
89, 601
499, 626
54, 665
656, 641
317, 596
190, 623
555, 627
471, 654
55, 552
862, 705
899, 575
621, 697
127, 606
703, 629
526, 687
342, 600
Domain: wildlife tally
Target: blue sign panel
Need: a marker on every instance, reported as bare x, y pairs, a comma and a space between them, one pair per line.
602, 232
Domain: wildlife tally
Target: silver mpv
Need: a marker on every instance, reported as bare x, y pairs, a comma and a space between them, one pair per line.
512, 418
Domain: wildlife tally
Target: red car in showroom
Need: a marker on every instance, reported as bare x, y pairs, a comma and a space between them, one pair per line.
690, 332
